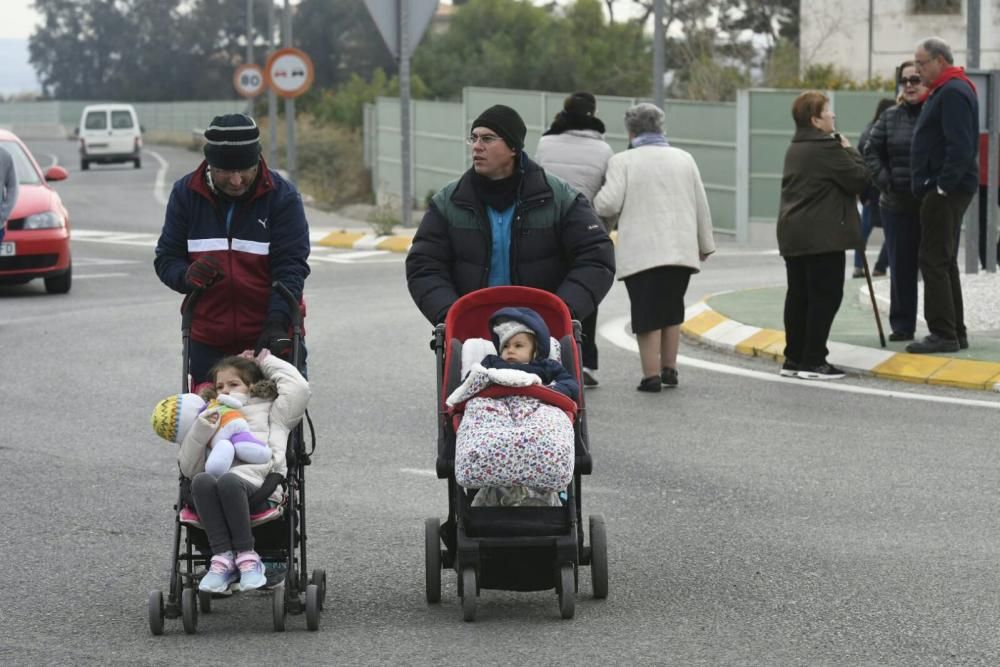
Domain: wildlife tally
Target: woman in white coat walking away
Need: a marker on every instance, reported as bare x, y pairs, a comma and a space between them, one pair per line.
573, 149
664, 233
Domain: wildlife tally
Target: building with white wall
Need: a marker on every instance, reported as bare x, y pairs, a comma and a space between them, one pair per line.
869, 38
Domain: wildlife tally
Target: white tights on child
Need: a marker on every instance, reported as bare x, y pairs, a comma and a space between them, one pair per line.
220, 458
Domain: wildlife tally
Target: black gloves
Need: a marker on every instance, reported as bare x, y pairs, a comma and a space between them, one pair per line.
274, 336
204, 272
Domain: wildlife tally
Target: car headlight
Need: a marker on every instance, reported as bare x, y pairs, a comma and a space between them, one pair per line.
47, 220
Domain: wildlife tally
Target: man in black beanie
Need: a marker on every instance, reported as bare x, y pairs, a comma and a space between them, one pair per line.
232, 227
507, 222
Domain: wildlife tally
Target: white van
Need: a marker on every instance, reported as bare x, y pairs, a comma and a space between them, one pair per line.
109, 133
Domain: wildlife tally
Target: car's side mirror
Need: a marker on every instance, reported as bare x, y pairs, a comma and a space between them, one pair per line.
142, 128
76, 131
56, 173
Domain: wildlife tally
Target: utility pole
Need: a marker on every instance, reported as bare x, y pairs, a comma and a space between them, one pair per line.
403, 12
658, 57
272, 98
249, 60
972, 34
290, 163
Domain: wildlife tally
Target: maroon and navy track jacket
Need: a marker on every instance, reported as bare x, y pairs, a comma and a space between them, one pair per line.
257, 241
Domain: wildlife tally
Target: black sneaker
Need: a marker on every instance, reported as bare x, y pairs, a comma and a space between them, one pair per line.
933, 344
821, 372
963, 342
896, 336
650, 384
589, 377
668, 376
789, 369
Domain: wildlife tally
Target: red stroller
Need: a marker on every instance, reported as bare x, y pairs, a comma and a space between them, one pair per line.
511, 548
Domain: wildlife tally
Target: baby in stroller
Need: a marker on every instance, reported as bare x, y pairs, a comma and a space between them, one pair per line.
224, 504
516, 449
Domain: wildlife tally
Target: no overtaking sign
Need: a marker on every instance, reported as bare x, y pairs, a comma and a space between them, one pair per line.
289, 72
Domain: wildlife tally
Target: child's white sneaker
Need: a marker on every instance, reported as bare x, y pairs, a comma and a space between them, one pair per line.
251, 570
221, 574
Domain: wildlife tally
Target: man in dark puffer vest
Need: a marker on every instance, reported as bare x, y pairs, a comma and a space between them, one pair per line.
507, 222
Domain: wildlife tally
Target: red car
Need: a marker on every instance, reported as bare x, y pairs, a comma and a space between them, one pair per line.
36, 244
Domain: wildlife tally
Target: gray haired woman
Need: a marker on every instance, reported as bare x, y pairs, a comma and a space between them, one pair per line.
664, 233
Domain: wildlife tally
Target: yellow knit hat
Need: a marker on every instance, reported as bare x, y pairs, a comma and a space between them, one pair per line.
173, 416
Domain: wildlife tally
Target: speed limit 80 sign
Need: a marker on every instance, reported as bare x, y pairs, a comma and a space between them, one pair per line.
249, 80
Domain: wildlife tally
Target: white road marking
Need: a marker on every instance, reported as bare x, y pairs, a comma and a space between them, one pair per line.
318, 253
160, 187
84, 276
97, 261
614, 332
418, 471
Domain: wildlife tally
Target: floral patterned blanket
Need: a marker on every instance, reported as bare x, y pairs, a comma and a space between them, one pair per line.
510, 440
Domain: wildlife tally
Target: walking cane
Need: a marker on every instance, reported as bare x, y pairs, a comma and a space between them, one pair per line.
871, 293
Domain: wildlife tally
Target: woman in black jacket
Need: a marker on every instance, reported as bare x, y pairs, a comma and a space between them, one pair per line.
887, 155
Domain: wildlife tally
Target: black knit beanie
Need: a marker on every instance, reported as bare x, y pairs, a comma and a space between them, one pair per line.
506, 123
232, 141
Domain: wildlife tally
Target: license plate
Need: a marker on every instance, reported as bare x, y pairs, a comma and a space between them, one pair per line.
7, 249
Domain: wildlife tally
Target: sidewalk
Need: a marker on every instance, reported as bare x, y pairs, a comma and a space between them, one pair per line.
750, 322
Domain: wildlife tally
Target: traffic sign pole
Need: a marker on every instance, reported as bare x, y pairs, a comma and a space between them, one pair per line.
291, 163
272, 99
402, 24
406, 205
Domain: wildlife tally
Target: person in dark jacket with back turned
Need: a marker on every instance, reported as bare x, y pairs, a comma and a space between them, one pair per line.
507, 222
870, 215
944, 176
887, 155
818, 220
232, 227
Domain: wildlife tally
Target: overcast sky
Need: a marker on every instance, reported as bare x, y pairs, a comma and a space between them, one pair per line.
19, 19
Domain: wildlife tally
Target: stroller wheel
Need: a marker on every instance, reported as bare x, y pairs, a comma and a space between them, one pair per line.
312, 606
432, 559
598, 556
278, 608
154, 609
566, 590
319, 578
205, 602
189, 610
469, 593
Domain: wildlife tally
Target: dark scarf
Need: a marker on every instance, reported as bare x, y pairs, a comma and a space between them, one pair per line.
947, 75
499, 194
567, 121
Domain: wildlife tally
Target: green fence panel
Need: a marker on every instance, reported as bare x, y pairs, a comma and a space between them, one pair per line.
706, 130
771, 130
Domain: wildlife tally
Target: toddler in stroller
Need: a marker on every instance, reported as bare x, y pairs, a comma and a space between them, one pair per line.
516, 449
224, 502
518, 540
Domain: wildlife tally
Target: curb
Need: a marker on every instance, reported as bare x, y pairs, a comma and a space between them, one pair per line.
711, 328
366, 241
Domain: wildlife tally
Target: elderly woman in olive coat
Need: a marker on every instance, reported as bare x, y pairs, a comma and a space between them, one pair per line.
817, 222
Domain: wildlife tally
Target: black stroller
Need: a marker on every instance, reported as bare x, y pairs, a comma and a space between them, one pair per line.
510, 548
279, 537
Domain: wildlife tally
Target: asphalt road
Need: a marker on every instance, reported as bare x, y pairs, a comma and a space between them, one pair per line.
749, 521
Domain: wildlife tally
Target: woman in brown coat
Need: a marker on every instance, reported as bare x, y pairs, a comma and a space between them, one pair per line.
817, 222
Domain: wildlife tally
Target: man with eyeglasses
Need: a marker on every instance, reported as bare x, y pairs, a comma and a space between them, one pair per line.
232, 227
508, 222
944, 177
